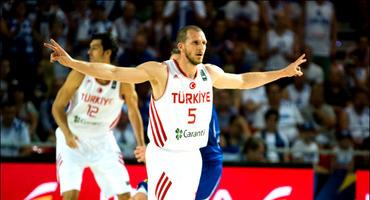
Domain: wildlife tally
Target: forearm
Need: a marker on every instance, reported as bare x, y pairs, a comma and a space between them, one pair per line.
61, 119
98, 70
256, 79
137, 125
111, 72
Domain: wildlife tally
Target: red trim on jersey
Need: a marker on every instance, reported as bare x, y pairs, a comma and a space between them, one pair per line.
159, 181
59, 162
166, 190
182, 72
120, 159
115, 122
160, 122
151, 127
156, 130
165, 184
161, 187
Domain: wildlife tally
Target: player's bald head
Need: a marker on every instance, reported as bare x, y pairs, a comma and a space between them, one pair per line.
182, 33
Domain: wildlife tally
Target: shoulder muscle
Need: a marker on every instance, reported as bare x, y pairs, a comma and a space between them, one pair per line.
214, 71
69, 87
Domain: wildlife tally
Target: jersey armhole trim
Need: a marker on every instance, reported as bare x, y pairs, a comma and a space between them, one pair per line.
183, 73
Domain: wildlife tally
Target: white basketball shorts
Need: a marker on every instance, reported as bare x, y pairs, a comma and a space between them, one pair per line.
172, 174
101, 154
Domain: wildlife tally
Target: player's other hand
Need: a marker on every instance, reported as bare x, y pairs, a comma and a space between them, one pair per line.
140, 153
58, 54
293, 69
71, 141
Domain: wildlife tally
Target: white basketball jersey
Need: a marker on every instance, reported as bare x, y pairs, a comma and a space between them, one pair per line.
179, 120
95, 108
318, 27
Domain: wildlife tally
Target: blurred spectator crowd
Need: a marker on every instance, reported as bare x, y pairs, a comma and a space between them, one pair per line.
326, 109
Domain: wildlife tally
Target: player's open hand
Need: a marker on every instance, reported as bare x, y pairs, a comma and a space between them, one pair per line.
58, 54
140, 153
293, 69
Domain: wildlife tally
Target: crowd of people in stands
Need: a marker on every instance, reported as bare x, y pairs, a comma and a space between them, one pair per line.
326, 109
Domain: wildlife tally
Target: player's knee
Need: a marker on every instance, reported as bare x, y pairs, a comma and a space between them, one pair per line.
125, 196
70, 195
140, 196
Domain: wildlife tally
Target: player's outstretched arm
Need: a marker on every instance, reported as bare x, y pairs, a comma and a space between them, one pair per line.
251, 80
100, 70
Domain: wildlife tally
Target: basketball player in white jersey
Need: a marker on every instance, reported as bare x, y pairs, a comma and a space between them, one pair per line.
180, 107
84, 136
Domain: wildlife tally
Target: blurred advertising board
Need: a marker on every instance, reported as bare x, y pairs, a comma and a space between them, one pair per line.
38, 181
362, 184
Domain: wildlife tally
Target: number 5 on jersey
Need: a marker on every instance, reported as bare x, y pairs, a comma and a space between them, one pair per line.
191, 115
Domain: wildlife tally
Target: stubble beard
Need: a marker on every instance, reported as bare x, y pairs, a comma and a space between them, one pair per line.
191, 60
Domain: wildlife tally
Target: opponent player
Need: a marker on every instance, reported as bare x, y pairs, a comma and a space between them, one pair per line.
84, 136
180, 108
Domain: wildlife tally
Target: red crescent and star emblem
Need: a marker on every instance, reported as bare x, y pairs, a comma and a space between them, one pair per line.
192, 85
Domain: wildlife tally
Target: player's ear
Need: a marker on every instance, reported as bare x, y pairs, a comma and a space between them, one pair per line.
180, 46
108, 53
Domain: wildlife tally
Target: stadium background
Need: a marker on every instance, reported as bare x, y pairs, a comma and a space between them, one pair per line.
241, 37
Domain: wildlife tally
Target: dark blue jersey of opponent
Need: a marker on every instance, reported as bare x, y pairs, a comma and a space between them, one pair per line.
212, 161
144, 185
213, 150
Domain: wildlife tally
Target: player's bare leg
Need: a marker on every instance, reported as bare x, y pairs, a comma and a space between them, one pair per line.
139, 196
125, 196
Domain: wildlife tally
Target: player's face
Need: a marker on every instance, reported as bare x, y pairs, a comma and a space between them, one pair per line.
195, 46
96, 52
